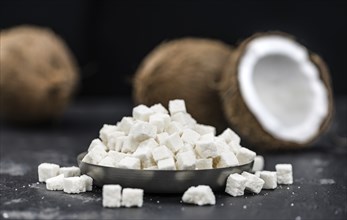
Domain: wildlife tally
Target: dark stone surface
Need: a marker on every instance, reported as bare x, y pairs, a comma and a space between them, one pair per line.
319, 189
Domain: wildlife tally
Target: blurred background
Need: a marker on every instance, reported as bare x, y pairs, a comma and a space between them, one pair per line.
110, 38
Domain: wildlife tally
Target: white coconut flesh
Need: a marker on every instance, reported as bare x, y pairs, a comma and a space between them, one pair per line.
282, 88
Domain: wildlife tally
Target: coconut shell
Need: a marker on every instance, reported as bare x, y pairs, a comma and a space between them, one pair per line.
241, 118
188, 69
38, 74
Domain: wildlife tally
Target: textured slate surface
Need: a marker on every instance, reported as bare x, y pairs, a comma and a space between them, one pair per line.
319, 189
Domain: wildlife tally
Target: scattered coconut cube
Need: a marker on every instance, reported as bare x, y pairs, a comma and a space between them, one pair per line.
177, 105
95, 155
159, 108
161, 152
88, 182
167, 164
270, 179
190, 136
111, 196
142, 112
227, 159
126, 124
204, 129
199, 195
174, 142
284, 173
206, 149
186, 160
235, 185
74, 185
96, 142
161, 137
142, 131
70, 171
258, 163
245, 155
203, 164
132, 197
253, 183
130, 163
47, 170
55, 183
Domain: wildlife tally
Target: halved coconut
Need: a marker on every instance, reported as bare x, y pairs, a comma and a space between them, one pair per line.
190, 69
276, 93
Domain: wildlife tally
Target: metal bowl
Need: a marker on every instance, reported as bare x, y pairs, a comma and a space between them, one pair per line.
160, 181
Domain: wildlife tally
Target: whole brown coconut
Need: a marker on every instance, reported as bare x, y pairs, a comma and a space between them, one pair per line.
189, 69
239, 114
38, 74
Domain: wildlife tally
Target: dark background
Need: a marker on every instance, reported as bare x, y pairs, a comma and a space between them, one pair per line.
110, 38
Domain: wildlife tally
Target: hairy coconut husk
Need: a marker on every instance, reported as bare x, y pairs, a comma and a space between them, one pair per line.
188, 69
241, 118
38, 74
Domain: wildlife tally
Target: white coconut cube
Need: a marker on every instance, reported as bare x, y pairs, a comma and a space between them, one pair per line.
186, 160
222, 146
74, 185
108, 161
230, 136
207, 137
253, 183
190, 136
284, 173
96, 142
88, 182
258, 163
111, 196
199, 195
126, 124
130, 163
166, 164
132, 197
174, 127
203, 164
161, 137
70, 171
174, 142
142, 131
234, 147
204, 129
177, 105
159, 108
142, 112
47, 170
95, 155
245, 155
129, 145
227, 159
112, 139
155, 167
116, 156
206, 149
186, 147
161, 152
119, 142
144, 150
235, 185
105, 132
157, 121
270, 179
55, 183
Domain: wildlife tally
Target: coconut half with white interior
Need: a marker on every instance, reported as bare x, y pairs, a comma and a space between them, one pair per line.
276, 93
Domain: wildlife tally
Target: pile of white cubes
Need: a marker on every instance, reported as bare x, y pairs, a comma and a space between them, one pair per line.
155, 138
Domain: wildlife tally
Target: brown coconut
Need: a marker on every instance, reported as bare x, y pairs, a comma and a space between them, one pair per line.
238, 114
189, 69
38, 74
